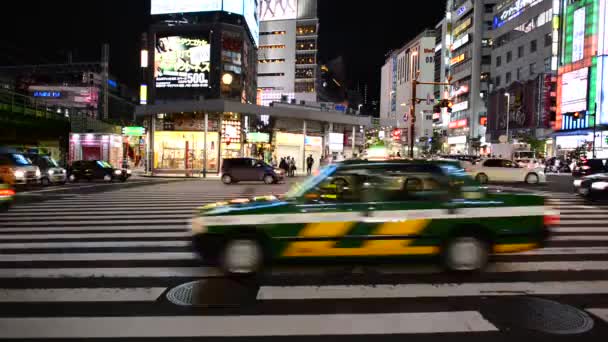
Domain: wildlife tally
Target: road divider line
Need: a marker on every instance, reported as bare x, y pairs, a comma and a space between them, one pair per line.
86, 229
27, 237
580, 230
81, 295
90, 219
245, 326
432, 290
111, 244
579, 238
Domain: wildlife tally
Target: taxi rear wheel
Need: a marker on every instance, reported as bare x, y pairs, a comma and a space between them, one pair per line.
532, 178
465, 253
241, 257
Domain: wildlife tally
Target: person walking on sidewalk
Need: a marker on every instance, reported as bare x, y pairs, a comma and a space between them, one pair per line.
292, 167
309, 163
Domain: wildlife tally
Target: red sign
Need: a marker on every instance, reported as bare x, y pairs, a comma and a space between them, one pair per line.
396, 134
483, 120
436, 116
458, 124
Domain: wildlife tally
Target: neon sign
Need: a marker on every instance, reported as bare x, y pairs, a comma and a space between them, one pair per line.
49, 94
511, 12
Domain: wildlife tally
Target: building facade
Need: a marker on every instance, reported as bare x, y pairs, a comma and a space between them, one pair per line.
415, 60
469, 39
582, 82
287, 56
523, 79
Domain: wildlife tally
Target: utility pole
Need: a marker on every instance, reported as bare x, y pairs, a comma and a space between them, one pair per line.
105, 75
415, 100
594, 130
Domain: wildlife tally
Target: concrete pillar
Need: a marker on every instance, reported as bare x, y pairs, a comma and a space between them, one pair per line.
304, 132
353, 141
151, 145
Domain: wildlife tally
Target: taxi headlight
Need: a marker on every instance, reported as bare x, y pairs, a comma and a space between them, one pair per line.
599, 186
38, 173
577, 183
19, 174
117, 172
51, 172
198, 226
129, 172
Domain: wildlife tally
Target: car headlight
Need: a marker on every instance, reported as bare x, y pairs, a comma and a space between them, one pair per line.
51, 172
38, 173
129, 172
19, 174
577, 183
63, 171
117, 172
198, 226
599, 186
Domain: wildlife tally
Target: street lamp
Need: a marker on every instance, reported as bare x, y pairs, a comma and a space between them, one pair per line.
508, 113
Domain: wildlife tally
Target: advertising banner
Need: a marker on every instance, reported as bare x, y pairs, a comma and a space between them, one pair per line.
578, 36
574, 90
182, 62
184, 6
278, 9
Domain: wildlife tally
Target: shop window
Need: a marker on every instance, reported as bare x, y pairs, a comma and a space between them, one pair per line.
305, 87
305, 73
309, 44
306, 30
306, 59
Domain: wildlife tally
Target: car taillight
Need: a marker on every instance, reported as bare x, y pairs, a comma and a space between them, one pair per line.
585, 167
551, 219
7, 192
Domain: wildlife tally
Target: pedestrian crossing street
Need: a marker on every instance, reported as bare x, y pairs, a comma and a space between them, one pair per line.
99, 266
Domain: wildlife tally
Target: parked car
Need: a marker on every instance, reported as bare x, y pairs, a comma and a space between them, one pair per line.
90, 170
17, 169
593, 187
588, 167
51, 172
248, 169
502, 170
6, 196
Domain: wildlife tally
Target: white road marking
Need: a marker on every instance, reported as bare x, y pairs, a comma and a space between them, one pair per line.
110, 244
431, 290
245, 326
566, 251
580, 230
579, 238
134, 272
600, 313
81, 295
96, 257
27, 237
92, 219
563, 223
86, 229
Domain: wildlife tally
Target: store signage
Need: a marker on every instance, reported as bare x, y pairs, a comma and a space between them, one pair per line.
48, 94
396, 134
458, 43
313, 141
462, 139
133, 131
574, 90
513, 10
460, 11
483, 121
143, 94
257, 137
336, 142
463, 89
231, 131
460, 106
457, 59
463, 123
462, 27
289, 139
578, 35
182, 62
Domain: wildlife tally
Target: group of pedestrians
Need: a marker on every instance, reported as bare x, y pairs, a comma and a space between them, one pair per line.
288, 165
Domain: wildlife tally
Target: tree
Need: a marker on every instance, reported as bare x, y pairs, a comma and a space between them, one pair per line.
536, 145
436, 143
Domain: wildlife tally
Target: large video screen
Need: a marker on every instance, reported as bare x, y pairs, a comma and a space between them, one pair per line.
574, 90
278, 9
182, 62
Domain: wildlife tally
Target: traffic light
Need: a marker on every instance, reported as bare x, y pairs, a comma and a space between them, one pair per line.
449, 105
578, 115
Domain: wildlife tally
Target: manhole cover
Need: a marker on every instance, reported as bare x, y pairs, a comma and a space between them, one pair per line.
213, 292
540, 315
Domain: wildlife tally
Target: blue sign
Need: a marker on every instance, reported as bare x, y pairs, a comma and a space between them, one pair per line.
461, 11
50, 94
112, 83
340, 108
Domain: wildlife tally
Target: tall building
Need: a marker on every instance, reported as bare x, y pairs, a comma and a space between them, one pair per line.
469, 37
201, 50
442, 72
414, 59
287, 57
523, 80
582, 82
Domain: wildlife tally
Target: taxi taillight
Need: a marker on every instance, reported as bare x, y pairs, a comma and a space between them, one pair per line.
7, 192
551, 220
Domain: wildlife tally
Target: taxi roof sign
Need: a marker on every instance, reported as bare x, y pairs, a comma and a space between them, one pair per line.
134, 131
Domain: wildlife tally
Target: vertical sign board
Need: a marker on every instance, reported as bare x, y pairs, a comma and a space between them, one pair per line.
394, 85
578, 35
602, 63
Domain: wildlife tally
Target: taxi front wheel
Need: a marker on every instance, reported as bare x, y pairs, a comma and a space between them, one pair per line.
242, 257
466, 253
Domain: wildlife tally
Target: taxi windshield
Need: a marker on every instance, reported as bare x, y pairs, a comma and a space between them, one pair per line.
51, 161
300, 189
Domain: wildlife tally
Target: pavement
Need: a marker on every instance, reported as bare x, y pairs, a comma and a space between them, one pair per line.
96, 261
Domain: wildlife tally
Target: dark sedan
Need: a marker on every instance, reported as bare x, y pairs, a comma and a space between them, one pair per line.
91, 170
594, 187
589, 167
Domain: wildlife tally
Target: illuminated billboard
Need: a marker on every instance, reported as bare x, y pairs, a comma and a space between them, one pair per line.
578, 35
278, 9
184, 6
574, 90
182, 62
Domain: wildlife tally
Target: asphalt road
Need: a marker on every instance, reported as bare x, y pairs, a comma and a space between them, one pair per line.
97, 261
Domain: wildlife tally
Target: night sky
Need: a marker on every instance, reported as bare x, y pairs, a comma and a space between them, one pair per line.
42, 32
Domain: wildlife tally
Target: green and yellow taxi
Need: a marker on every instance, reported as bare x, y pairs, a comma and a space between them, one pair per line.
373, 210
6, 196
